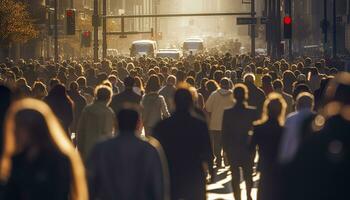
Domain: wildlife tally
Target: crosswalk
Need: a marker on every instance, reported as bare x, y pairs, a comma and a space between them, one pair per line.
222, 190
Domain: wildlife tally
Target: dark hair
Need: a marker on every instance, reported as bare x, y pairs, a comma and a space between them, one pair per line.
127, 120
240, 92
183, 99
277, 84
190, 80
153, 84
103, 93
129, 82
305, 100
74, 86
225, 83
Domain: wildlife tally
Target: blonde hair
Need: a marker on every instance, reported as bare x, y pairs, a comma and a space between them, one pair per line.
59, 140
273, 98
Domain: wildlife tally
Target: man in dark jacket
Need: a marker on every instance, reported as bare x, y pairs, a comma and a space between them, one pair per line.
126, 98
237, 123
186, 144
256, 95
127, 167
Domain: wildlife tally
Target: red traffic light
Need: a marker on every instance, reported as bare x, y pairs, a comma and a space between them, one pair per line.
287, 20
86, 34
69, 13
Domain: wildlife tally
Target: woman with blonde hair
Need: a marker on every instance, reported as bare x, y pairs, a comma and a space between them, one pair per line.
38, 161
267, 136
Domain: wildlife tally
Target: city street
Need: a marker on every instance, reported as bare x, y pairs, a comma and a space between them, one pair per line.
222, 190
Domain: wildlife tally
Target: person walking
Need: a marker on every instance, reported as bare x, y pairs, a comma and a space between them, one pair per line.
217, 102
186, 144
114, 170
126, 98
267, 136
62, 105
236, 126
96, 121
154, 107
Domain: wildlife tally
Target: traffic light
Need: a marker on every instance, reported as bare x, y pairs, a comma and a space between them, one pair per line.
86, 39
70, 21
287, 30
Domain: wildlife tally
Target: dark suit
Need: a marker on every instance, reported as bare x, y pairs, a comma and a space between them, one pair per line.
124, 98
237, 123
125, 168
186, 143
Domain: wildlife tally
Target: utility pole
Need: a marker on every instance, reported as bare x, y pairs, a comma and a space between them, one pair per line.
56, 31
252, 31
325, 26
95, 22
334, 28
155, 11
104, 30
289, 12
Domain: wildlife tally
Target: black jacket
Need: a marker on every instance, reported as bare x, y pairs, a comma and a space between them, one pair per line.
237, 123
124, 98
186, 143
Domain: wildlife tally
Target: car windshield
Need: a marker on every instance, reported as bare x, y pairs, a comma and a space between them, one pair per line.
193, 45
142, 47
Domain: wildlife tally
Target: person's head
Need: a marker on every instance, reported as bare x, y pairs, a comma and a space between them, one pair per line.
39, 90
305, 100
225, 83
103, 93
183, 99
81, 82
266, 80
129, 82
299, 88
73, 86
31, 125
53, 82
128, 120
171, 80
274, 109
190, 80
240, 93
153, 84
58, 91
211, 86
249, 78
278, 85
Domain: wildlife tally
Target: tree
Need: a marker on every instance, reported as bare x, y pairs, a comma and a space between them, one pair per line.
16, 24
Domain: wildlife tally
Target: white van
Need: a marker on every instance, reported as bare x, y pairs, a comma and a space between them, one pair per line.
196, 45
140, 48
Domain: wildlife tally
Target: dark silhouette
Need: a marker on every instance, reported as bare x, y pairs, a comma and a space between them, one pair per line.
267, 136
237, 123
127, 167
186, 144
62, 105
256, 95
126, 98
79, 104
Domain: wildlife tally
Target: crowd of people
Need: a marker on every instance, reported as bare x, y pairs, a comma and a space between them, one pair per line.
159, 128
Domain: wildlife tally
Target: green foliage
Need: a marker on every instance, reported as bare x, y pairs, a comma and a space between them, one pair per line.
15, 22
